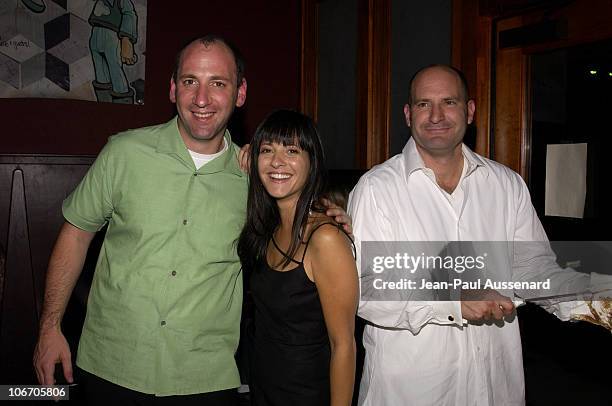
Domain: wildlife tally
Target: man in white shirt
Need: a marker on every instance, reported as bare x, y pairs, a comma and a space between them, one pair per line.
437, 189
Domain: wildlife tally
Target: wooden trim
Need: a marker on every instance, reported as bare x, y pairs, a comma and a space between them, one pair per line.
508, 131
373, 82
525, 118
512, 130
309, 58
32, 188
458, 34
587, 21
505, 121
44, 159
483, 86
471, 53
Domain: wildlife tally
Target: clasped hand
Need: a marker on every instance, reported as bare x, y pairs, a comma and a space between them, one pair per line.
485, 304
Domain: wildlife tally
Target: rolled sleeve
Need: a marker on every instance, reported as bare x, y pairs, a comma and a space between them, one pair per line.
129, 21
90, 206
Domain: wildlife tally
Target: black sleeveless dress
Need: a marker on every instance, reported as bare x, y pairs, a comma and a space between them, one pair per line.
291, 352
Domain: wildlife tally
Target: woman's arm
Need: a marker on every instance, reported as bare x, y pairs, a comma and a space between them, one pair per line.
333, 269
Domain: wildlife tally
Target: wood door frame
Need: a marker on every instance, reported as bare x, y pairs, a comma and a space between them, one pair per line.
501, 76
309, 58
471, 52
373, 82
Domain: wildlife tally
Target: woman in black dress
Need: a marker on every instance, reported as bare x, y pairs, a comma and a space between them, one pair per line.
303, 278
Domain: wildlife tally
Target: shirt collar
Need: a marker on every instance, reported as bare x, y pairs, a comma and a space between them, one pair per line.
473, 160
171, 142
413, 161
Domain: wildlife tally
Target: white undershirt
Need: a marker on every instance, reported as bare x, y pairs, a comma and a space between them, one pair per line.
199, 160
456, 198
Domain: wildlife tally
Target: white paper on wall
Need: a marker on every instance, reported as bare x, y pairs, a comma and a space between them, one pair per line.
566, 169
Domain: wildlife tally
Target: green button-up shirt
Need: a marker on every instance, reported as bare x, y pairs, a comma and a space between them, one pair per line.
164, 309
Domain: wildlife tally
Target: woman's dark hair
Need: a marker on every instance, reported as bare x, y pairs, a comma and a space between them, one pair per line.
284, 127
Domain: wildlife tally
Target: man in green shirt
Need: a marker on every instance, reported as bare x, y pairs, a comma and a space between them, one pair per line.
164, 308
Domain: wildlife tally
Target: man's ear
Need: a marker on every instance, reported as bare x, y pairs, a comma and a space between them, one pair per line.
471, 108
242, 92
407, 114
172, 90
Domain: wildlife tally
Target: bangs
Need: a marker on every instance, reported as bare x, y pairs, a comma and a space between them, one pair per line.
287, 127
285, 135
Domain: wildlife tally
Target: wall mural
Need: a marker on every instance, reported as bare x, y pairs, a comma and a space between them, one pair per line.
75, 49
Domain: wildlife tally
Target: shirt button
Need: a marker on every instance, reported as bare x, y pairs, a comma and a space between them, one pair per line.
451, 318
195, 174
185, 222
163, 322
173, 273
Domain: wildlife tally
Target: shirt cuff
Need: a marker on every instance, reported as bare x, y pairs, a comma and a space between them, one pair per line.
447, 312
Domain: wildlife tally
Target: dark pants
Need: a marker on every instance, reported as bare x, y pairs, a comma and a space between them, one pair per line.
99, 392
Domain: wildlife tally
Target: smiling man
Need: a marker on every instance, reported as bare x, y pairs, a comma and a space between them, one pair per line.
163, 314
447, 353
206, 87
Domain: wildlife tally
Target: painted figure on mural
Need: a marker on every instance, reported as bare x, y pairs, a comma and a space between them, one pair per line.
113, 35
114, 31
35, 6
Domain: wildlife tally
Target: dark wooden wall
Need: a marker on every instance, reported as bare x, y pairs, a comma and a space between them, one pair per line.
31, 192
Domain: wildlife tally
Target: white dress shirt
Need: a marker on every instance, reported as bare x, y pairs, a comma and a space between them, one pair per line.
420, 353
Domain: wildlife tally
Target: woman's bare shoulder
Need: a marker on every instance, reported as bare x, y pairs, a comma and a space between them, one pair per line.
324, 232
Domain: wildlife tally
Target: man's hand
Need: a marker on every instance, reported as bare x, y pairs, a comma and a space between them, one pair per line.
244, 158
339, 214
128, 56
485, 304
52, 348
65, 266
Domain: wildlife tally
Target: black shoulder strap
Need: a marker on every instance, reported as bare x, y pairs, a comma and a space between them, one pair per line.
284, 253
339, 228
